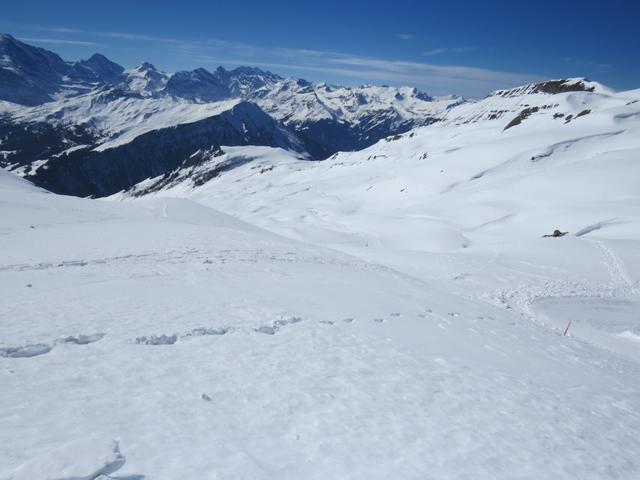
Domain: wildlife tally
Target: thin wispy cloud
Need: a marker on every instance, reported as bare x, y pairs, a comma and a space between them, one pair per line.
587, 63
61, 41
440, 51
405, 36
137, 37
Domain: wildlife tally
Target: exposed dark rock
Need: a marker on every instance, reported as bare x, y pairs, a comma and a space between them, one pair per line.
523, 115
561, 86
551, 87
555, 234
584, 112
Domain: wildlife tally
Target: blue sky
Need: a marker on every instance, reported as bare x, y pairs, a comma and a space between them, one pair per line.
467, 47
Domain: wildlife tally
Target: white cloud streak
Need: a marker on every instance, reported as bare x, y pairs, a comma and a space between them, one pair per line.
61, 41
440, 51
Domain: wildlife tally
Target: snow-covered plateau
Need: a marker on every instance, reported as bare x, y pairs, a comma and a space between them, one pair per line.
398, 312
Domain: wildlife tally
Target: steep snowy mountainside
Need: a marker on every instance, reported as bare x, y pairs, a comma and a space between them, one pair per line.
143, 150
331, 118
31, 75
201, 85
205, 164
162, 339
115, 117
145, 80
103, 68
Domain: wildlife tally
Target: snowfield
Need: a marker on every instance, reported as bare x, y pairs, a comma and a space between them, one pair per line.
388, 313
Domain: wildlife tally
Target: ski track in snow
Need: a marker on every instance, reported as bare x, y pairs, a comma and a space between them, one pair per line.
620, 280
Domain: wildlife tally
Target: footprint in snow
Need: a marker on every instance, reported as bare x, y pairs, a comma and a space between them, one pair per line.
378, 320
395, 314
205, 331
36, 349
25, 351
267, 330
157, 340
347, 320
272, 329
81, 339
287, 321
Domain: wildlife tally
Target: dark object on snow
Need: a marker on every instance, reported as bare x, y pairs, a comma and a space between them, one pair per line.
583, 113
556, 233
523, 115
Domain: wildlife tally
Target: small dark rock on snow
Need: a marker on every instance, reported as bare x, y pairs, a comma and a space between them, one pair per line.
555, 234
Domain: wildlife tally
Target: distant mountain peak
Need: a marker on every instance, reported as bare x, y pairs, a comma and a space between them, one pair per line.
146, 66
104, 69
5, 37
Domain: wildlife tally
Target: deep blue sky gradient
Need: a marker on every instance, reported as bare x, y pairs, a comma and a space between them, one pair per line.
467, 47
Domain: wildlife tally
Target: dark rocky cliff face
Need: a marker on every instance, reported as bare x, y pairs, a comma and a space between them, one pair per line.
86, 172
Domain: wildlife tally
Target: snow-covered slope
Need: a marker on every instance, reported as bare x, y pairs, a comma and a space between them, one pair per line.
465, 201
162, 339
116, 118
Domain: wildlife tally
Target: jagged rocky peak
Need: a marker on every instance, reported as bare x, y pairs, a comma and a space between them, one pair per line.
31, 75
29, 59
146, 66
199, 85
552, 87
7, 40
98, 59
145, 79
103, 68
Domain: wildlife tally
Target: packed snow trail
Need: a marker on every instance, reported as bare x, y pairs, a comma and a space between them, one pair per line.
620, 280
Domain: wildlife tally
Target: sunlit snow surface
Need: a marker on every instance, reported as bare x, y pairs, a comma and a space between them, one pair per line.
407, 324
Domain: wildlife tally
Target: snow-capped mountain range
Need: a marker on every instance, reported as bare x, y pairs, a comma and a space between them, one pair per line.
58, 107
100, 129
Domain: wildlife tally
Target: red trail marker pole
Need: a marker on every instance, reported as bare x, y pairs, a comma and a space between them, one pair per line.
566, 330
